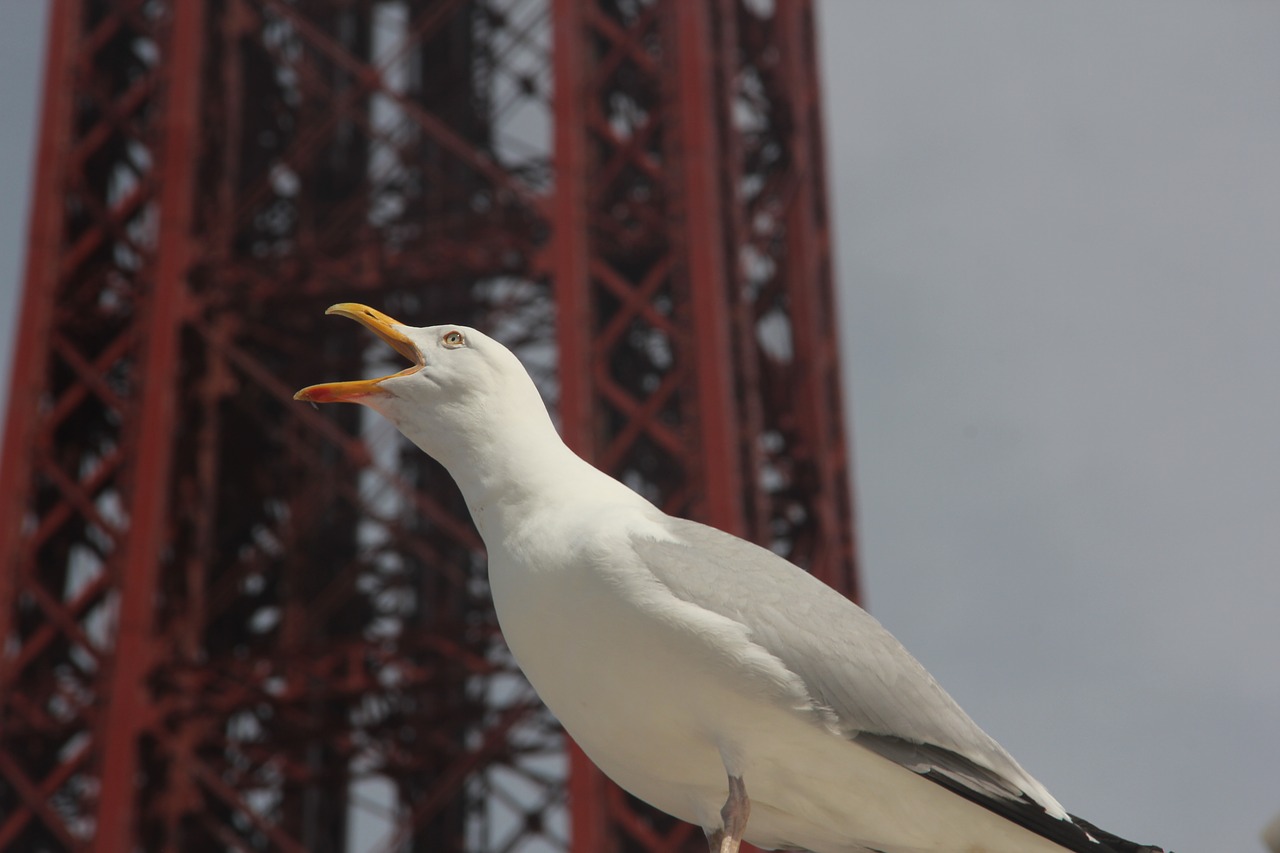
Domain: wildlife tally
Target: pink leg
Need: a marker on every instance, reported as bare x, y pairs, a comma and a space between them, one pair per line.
734, 814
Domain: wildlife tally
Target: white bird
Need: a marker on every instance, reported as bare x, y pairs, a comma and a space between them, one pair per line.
707, 676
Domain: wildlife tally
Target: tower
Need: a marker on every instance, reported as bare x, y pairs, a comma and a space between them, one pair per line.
230, 621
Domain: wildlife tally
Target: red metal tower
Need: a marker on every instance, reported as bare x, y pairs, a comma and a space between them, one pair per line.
230, 622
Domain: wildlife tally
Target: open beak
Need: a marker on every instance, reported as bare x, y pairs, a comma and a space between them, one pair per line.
355, 390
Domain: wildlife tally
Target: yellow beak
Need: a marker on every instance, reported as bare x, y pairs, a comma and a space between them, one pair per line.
355, 390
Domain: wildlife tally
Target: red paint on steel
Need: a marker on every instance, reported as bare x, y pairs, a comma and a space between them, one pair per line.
568, 253
252, 608
45, 241
699, 151
35, 318
809, 283
130, 709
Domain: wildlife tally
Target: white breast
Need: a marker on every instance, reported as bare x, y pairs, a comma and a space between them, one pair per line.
660, 694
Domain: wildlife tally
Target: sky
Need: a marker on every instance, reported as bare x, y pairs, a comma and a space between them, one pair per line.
1058, 250
21, 50
1059, 265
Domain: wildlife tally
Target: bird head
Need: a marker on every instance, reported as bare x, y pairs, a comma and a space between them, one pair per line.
459, 379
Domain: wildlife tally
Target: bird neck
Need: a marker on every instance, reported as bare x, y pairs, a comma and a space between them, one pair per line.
508, 462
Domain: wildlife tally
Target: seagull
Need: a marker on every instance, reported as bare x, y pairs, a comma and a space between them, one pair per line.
709, 677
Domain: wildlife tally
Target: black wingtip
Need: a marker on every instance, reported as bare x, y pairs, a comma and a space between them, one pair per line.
1076, 835
1115, 842
996, 794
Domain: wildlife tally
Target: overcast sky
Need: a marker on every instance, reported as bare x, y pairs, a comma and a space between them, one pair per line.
1059, 245
1059, 253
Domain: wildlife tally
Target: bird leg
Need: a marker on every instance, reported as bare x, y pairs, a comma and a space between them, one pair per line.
734, 816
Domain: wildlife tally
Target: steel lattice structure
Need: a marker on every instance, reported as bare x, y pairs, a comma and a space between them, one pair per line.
228, 621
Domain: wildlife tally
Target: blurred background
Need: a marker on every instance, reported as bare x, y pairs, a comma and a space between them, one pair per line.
1058, 262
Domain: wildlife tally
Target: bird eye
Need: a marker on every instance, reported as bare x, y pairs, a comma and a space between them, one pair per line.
454, 339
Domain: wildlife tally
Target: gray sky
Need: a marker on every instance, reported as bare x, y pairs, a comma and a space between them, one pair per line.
1059, 244
21, 49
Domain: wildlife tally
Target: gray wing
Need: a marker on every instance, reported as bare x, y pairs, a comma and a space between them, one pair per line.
879, 695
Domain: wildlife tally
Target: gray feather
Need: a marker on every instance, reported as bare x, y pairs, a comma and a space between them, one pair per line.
877, 693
